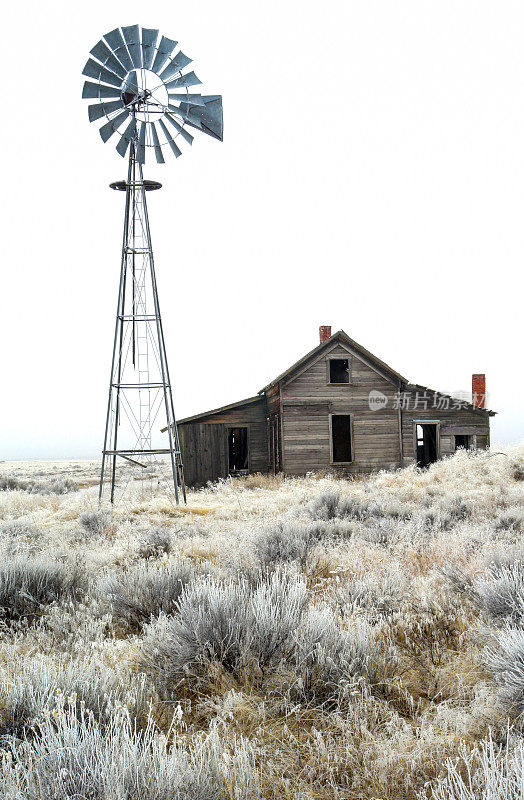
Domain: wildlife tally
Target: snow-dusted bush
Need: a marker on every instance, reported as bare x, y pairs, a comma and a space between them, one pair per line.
29, 584
56, 486
155, 543
506, 665
329, 660
144, 592
71, 756
376, 594
500, 592
74, 683
296, 541
95, 522
511, 519
489, 771
332, 505
228, 623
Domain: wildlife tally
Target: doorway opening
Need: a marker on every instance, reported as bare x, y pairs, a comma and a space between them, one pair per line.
427, 443
341, 449
238, 450
461, 440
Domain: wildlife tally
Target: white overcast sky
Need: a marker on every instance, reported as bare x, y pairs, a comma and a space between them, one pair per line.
371, 177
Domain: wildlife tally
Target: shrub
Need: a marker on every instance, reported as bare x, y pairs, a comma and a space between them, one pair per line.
144, 592
295, 542
378, 595
71, 756
329, 660
511, 520
488, 771
228, 623
500, 593
331, 505
38, 684
155, 543
95, 522
506, 665
28, 584
57, 486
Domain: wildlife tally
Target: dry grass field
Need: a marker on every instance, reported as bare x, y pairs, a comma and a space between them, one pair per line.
300, 638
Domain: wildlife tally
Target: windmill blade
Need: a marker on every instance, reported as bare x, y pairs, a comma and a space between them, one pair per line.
173, 145
98, 91
165, 48
208, 119
99, 73
184, 80
132, 40
103, 109
117, 45
149, 37
128, 134
107, 130
182, 131
141, 147
177, 64
183, 97
104, 54
130, 88
156, 144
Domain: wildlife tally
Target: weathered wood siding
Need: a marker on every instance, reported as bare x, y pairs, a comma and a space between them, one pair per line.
307, 402
453, 421
204, 452
253, 416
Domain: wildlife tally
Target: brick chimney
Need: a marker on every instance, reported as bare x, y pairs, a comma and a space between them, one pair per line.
325, 333
478, 390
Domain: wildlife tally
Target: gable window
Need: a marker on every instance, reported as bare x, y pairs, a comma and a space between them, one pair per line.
339, 370
341, 444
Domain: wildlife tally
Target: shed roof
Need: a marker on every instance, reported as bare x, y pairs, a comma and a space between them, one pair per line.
256, 399
416, 387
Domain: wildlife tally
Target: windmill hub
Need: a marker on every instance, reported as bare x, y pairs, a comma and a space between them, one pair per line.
145, 95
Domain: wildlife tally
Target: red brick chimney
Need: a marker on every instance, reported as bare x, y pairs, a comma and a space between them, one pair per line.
478, 390
325, 333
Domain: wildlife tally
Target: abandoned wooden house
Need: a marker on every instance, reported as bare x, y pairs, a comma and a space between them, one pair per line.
338, 409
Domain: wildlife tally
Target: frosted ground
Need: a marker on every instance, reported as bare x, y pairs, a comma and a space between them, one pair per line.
297, 638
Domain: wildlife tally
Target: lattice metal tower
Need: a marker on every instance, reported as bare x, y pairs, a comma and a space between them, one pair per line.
140, 84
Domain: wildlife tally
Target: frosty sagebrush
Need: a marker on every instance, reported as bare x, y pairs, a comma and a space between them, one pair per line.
29, 583
251, 630
316, 719
71, 756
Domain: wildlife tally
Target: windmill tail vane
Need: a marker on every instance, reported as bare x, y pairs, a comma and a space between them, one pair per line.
140, 83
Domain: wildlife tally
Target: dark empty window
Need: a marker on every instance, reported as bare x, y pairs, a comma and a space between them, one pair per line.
238, 452
461, 440
341, 438
339, 370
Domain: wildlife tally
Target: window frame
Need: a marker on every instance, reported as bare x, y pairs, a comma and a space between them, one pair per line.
338, 357
351, 438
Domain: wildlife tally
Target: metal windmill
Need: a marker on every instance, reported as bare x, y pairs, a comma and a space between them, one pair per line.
139, 87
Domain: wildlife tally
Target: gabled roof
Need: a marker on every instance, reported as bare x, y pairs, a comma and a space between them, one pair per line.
340, 336
229, 407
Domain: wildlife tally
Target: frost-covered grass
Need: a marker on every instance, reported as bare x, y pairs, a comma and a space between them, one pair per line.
276, 638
